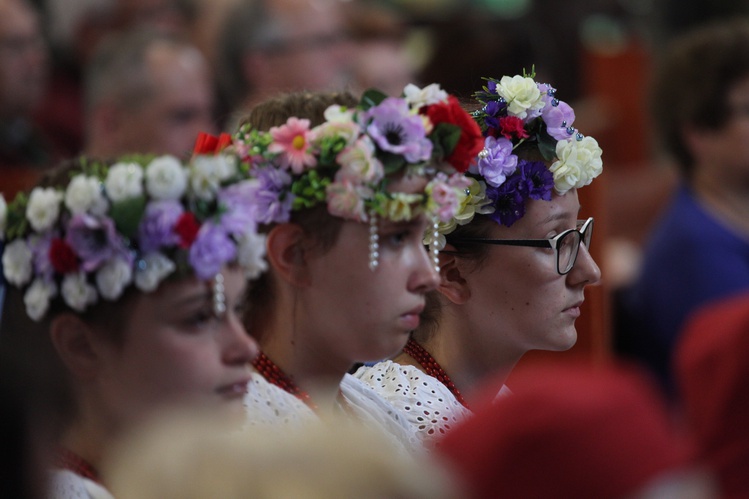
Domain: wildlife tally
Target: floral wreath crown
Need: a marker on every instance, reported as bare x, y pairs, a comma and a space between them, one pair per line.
137, 222
348, 161
517, 110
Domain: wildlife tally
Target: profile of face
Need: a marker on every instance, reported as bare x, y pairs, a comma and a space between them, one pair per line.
176, 350
516, 297
179, 106
727, 148
366, 315
23, 58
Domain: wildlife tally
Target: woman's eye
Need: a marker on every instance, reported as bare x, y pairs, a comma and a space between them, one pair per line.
397, 238
199, 319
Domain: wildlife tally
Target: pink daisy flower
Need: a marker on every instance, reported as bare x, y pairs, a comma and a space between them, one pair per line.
293, 141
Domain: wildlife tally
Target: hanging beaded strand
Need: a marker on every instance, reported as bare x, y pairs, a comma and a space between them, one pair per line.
433, 249
219, 296
432, 368
374, 242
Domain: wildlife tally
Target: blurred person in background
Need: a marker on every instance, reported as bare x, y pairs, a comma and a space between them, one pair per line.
147, 92
75, 29
23, 77
698, 250
380, 57
711, 369
184, 457
571, 431
273, 46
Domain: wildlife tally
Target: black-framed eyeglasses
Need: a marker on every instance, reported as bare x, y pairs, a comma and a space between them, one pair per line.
566, 245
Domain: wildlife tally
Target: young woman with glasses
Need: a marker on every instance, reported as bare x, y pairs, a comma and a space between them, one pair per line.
514, 262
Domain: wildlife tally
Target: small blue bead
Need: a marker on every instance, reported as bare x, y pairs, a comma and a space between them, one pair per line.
579, 137
570, 130
555, 102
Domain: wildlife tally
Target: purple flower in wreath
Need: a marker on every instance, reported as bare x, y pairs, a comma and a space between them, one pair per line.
493, 110
94, 240
496, 161
394, 129
508, 200
211, 250
39, 247
239, 202
538, 180
559, 120
268, 205
156, 228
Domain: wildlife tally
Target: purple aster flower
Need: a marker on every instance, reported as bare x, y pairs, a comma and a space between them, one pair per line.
538, 180
492, 86
268, 204
211, 250
394, 129
239, 202
559, 120
496, 161
94, 240
508, 200
156, 229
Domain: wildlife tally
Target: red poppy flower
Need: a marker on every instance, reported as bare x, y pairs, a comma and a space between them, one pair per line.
512, 127
210, 144
470, 142
62, 257
187, 228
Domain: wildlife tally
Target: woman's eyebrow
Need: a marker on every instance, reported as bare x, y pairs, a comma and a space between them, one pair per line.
562, 215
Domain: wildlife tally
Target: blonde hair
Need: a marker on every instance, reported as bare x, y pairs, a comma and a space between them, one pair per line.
187, 458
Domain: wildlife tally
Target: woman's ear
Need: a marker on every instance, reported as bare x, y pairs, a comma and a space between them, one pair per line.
73, 340
286, 253
452, 281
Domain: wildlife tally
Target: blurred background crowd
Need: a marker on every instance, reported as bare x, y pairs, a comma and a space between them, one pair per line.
106, 77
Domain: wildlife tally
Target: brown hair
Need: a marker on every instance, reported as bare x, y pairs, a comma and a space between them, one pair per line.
310, 105
692, 81
319, 226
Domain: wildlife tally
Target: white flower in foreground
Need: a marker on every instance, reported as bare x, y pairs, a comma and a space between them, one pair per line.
208, 172
43, 208
524, 99
124, 181
419, 97
251, 254
578, 164
166, 179
113, 277
17, 262
151, 270
82, 194
77, 292
37, 298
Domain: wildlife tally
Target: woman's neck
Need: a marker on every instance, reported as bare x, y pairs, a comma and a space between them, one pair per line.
450, 346
314, 368
87, 438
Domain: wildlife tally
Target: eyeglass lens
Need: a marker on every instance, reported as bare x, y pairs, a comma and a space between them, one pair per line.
569, 246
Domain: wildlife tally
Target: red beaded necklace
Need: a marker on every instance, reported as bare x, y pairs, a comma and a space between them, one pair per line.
275, 376
432, 368
69, 460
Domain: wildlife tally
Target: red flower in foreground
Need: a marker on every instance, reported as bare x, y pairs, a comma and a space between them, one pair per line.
470, 142
187, 228
62, 257
511, 127
210, 144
